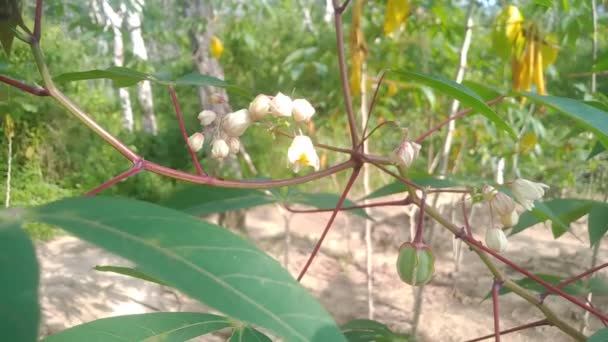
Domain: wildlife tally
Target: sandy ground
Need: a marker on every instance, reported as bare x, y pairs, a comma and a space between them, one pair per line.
452, 309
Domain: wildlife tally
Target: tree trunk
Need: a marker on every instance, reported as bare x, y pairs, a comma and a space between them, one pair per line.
134, 20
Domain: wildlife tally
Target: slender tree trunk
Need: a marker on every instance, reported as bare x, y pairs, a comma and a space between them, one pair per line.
134, 20
115, 20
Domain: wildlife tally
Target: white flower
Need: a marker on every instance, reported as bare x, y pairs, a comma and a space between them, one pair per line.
259, 107
405, 154
234, 144
196, 141
499, 202
281, 105
220, 149
509, 220
206, 117
235, 124
302, 153
526, 192
302, 110
496, 240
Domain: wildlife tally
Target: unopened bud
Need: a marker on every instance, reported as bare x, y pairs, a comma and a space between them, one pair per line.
259, 107
236, 123
405, 154
196, 141
500, 202
496, 240
302, 110
220, 149
206, 117
281, 105
234, 144
509, 220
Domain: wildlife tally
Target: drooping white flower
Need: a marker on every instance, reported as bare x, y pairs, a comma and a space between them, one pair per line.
500, 203
281, 105
220, 149
235, 124
302, 110
206, 117
234, 144
302, 153
405, 154
196, 141
259, 107
496, 240
509, 220
526, 192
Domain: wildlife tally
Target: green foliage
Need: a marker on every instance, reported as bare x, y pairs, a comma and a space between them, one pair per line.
365, 330
599, 336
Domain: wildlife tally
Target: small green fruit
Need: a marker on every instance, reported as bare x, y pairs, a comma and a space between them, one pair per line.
415, 263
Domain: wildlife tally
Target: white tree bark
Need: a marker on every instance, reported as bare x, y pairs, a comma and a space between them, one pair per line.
329, 11
115, 20
134, 20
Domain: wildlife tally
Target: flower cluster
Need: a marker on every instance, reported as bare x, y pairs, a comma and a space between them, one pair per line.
501, 204
230, 127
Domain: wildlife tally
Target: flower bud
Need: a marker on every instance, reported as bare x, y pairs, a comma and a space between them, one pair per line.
526, 192
234, 144
509, 220
405, 154
220, 149
302, 153
281, 105
196, 141
415, 263
235, 124
501, 203
496, 240
206, 117
259, 107
302, 110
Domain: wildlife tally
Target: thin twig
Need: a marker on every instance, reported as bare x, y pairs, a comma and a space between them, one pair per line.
539, 323
34, 90
137, 168
182, 128
495, 288
569, 281
38, 21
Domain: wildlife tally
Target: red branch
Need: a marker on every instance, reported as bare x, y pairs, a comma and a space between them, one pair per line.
573, 279
495, 288
347, 188
540, 323
404, 201
371, 108
38, 21
137, 168
34, 90
182, 127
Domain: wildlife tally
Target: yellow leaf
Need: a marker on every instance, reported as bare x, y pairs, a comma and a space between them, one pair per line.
396, 13
527, 142
9, 126
507, 31
216, 47
549, 49
392, 89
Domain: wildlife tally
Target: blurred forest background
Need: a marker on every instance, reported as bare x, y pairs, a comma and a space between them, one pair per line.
268, 46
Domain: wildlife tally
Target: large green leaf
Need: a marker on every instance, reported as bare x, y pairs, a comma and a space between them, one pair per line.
248, 334
365, 330
204, 200
121, 76
324, 201
463, 94
592, 118
158, 326
19, 310
599, 336
598, 222
561, 212
205, 261
129, 272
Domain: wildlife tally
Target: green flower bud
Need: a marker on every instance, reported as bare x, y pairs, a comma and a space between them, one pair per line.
415, 263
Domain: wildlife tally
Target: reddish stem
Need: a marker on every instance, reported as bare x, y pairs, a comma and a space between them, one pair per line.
405, 201
573, 279
465, 216
389, 172
365, 137
539, 323
34, 90
454, 117
548, 286
38, 21
371, 108
182, 127
419, 224
495, 288
334, 213
137, 168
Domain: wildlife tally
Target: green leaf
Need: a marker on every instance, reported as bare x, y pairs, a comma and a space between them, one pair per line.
576, 288
599, 336
204, 200
19, 310
598, 286
598, 222
202, 260
157, 326
423, 180
248, 334
597, 149
130, 272
590, 117
561, 212
486, 92
324, 201
199, 80
365, 330
463, 94
121, 76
